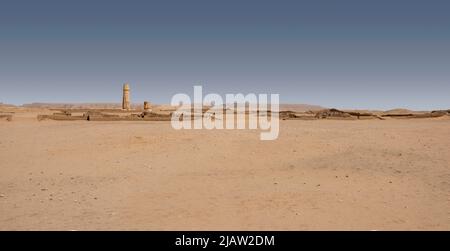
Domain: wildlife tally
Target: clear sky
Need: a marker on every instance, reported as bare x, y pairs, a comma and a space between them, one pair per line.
344, 54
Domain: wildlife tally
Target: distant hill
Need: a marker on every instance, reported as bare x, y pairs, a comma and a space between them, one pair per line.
78, 105
167, 107
6, 105
283, 107
399, 111
300, 107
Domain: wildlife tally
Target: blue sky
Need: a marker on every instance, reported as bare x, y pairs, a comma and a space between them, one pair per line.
343, 54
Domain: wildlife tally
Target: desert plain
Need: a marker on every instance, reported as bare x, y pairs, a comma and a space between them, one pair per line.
391, 174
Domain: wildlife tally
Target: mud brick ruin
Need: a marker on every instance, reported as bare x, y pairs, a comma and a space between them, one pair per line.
146, 114
124, 114
7, 117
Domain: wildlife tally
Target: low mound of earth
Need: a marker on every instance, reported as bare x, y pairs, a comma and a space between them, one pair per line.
6, 117
400, 111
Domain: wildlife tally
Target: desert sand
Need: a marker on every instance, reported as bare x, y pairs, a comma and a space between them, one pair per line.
133, 175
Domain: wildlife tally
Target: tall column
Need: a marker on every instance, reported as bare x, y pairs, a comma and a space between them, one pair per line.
126, 97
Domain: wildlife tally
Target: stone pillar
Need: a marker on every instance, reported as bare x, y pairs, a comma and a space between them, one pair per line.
126, 97
147, 109
146, 106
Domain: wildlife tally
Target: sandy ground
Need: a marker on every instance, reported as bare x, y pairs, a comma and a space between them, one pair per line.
319, 175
